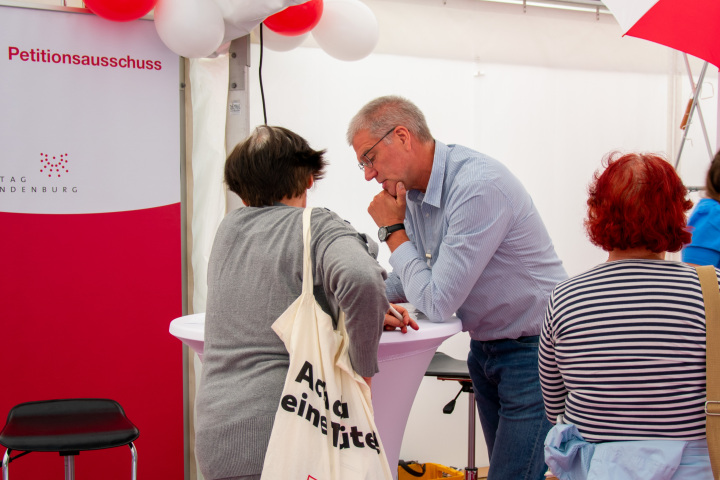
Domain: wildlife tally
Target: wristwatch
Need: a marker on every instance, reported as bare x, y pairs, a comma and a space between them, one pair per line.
384, 232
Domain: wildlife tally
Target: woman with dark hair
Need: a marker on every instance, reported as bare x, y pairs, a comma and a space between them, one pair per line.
704, 222
622, 350
254, 274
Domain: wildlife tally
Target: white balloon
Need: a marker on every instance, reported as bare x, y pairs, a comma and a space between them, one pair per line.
277, 42
245, 12
242, 16
190, 28
348, 29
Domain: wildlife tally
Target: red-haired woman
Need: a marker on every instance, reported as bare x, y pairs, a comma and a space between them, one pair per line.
622, 350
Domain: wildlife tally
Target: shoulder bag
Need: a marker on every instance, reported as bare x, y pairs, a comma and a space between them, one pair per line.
711, 297
324, 427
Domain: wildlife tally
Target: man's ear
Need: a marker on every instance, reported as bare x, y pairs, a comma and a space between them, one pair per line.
311, 180
404, 135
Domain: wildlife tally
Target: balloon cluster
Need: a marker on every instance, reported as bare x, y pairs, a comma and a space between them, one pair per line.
345, 29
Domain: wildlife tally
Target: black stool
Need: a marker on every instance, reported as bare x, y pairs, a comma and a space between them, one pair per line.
68, 427
445, 367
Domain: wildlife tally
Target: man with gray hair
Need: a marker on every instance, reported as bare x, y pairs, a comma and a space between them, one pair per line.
466, 239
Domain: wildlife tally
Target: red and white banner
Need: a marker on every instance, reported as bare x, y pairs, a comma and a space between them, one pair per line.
90, 229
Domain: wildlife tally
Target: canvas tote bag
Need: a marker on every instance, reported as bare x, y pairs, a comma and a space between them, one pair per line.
324, 427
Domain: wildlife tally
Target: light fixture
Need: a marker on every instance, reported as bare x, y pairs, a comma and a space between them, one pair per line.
594, 6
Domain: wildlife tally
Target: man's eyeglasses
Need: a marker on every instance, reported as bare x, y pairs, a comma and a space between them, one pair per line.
368, 163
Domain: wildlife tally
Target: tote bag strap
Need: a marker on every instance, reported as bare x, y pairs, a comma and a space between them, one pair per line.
308, 267
307, 286
711, 297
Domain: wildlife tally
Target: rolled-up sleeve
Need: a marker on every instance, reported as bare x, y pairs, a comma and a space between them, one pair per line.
356, 280
478, 217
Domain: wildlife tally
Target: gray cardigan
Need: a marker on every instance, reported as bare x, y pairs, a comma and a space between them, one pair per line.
254, 274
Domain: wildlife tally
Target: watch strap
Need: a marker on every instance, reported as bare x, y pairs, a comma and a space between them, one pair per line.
395, 228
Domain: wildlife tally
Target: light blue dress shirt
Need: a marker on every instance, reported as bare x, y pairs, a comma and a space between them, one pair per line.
478, 248
570, 457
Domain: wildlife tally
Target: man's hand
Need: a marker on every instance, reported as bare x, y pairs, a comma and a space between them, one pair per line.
388, 210
392, 322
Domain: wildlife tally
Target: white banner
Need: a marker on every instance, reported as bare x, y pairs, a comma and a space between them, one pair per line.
89, 122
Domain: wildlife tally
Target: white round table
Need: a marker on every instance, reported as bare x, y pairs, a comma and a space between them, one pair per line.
403, 359
191, 330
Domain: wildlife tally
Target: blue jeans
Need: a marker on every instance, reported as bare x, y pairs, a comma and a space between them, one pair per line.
509, 401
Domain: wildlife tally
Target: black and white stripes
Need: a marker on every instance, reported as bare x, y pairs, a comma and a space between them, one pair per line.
622, 352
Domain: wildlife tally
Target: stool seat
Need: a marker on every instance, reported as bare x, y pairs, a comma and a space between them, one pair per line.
445, 366
67, 426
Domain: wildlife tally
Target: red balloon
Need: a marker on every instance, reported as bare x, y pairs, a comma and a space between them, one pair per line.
297, 19
120, 10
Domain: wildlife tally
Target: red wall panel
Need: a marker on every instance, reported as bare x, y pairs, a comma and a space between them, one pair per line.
86, 301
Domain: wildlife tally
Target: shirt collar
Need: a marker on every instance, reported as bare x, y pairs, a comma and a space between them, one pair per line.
433, 193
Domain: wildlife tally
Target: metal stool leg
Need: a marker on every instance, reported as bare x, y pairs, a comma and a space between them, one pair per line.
133, 452
5, 462
471, 471
69, 467
445, 367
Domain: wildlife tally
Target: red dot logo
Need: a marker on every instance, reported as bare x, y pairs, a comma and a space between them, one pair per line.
54, 165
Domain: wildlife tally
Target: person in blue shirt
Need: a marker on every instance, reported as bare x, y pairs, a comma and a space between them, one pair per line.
704, 222
466, 239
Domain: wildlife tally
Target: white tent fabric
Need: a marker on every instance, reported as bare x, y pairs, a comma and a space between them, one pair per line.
627, 13
208, 87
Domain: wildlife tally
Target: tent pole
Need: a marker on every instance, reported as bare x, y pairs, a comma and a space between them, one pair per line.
696, 96
237, 123
701, 117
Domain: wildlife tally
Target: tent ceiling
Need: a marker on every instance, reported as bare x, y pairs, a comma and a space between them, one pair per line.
490, 32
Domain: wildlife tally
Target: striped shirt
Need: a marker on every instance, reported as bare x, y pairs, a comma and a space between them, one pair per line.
622, 352
478, 248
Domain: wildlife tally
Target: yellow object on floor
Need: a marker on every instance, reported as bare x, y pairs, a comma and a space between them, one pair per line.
432, 471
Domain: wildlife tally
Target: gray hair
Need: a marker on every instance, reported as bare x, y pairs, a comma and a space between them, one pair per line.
384, 113
258, 138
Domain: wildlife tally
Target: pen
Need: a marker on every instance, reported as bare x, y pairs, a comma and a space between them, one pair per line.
396, 313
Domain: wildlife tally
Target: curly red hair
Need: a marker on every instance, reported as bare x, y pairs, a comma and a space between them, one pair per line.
638, 201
